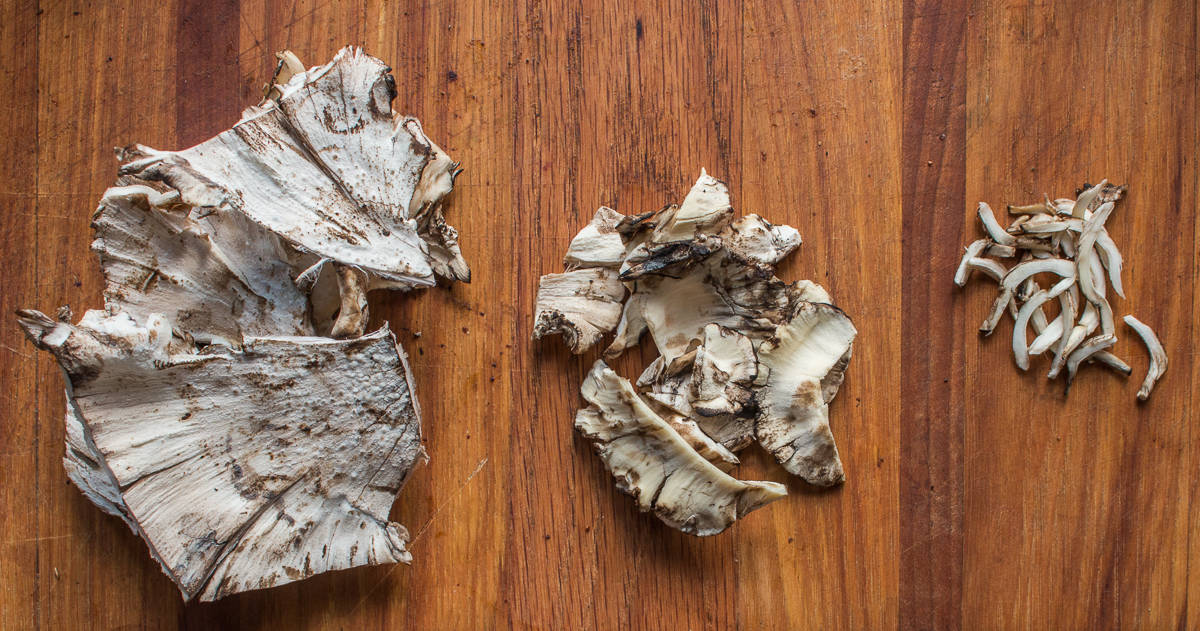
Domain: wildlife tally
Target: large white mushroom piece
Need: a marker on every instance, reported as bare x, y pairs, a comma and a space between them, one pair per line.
743, 356
1067, 240
227, 402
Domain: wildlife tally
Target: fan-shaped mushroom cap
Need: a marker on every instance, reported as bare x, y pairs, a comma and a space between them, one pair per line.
330, 168
242, 469
598, 244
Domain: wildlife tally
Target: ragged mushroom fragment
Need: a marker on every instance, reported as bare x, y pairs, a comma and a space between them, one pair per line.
207, 406
652, 463
1068, 239
742, 355
327, 166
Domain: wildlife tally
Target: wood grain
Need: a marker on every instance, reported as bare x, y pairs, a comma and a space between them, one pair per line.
977, 496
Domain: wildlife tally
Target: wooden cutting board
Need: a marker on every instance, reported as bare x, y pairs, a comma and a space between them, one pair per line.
976, 496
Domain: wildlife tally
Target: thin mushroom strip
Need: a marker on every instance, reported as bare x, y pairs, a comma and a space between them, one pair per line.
1068, 239
1158, 356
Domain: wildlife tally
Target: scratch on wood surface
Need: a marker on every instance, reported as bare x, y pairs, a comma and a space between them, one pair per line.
457, 493
383, 579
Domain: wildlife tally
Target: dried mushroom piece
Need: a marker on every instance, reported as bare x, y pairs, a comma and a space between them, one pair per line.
205, 406
242, 469
794, 421
741, 354
581, 305
1067, 238
218, 277
598, 244
329, 167
652, 463
1158, 356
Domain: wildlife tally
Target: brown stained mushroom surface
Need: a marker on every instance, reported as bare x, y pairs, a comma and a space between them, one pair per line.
209, 405
1067, 239
743, 355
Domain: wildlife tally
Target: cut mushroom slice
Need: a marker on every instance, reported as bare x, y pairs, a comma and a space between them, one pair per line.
1158, 356
793, 423
329, 167
1031, 306
217, 278
988, 219
1086, 351
676, 310
598, 244
705, 210
708, 448
1085, 199
1018, 275
581, 305
652, 463
244, 469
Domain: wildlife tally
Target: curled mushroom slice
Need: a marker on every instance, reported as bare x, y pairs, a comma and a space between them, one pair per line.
972, 251
1158, 356
793, 422
1032, 306
1085, 199
244, 469
581, 305
1085, 351
1112, 361
1111, 258
652, 463
993, 229
330, 168
598, 244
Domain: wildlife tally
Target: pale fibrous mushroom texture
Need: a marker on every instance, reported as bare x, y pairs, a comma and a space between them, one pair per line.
1064, 240
227, 403
742, 355
651, 462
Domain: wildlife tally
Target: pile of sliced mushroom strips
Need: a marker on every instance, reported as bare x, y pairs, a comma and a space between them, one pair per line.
227, 403
1066, 240
743, 356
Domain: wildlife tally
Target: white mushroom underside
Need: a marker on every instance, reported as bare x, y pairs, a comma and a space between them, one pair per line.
241, 469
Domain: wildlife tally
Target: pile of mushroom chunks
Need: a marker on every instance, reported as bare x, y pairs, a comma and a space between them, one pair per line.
743, 356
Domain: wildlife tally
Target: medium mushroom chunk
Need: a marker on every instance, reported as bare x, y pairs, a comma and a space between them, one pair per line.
581, 305
741, 354
793, 423
243, 469
1066, 238
599, 244
655, 465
